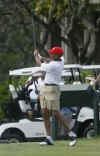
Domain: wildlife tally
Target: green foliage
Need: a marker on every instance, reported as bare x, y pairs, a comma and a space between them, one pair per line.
46, 6
4, 97
20, 80
9, 62
16, 38
86, 73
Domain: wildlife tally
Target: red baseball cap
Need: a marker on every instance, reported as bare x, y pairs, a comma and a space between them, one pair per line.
56, 50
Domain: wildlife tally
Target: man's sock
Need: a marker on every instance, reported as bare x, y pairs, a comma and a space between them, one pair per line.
72, 134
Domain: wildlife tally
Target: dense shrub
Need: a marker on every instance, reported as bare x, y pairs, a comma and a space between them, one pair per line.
4, 97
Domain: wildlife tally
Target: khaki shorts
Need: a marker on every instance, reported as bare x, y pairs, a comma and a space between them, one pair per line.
50, 97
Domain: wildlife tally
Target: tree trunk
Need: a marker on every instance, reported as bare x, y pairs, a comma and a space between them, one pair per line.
56, 31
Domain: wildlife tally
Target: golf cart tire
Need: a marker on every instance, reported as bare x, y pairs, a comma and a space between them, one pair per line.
89, 133
15, 138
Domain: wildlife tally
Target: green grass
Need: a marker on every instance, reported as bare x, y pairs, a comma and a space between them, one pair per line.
84, 147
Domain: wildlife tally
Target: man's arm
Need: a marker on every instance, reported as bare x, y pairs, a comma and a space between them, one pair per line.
39, 59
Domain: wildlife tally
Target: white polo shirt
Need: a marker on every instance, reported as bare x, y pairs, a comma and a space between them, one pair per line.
53, 72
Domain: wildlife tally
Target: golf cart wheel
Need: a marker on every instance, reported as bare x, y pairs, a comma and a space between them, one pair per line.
89, 133
15, 138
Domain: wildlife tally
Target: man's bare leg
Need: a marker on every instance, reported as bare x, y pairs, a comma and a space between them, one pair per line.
62, 120
46, 116
71, 134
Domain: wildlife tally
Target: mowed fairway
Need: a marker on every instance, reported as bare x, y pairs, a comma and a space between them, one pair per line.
84, 147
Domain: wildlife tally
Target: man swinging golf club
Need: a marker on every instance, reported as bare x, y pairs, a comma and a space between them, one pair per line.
50, 92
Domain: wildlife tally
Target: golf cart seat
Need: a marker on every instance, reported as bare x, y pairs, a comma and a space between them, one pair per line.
13, 91
18, 106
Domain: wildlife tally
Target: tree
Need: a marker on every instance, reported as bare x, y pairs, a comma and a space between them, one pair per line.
16, 40
52, 17
82, 20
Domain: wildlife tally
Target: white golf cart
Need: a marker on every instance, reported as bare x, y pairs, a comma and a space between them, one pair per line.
78, 97
24, 126
84, 124
20, 125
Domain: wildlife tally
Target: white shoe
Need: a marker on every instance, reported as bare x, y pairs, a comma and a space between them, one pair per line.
73, 137
43, 143
72, 143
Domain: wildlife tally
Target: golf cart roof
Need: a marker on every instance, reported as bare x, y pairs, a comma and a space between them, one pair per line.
36, 71
78, 66
72, 66
90, 67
